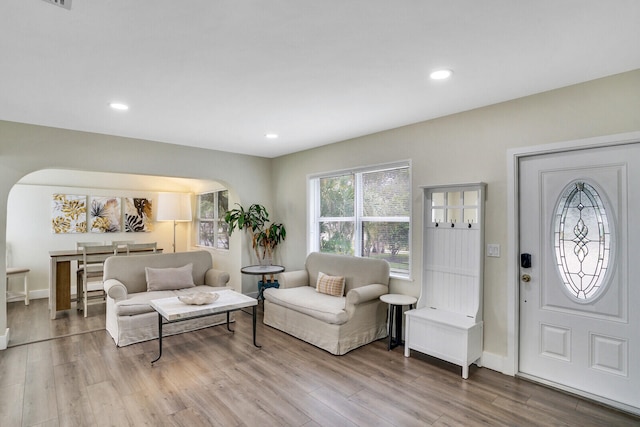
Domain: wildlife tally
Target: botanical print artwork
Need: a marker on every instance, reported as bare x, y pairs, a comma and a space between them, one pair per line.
105, 214
69, 213
137, 215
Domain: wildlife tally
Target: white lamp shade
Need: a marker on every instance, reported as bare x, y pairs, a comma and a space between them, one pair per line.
174, 207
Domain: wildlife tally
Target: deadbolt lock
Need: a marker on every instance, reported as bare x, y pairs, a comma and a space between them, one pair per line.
526, 278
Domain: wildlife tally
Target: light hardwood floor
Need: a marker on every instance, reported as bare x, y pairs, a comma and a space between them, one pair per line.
30, 323
212, 377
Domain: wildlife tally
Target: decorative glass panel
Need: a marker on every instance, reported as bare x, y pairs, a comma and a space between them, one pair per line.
454, 215
471, 198
437, 215
454, 198
470, 215
437, 199
582, 240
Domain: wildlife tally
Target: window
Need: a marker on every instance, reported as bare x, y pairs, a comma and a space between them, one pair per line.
364, 213
212, 230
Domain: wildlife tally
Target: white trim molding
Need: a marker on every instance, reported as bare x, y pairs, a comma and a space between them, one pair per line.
510, 365
4, 340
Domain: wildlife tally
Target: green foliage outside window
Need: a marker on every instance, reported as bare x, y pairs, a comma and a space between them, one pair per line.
212, 230
367, 213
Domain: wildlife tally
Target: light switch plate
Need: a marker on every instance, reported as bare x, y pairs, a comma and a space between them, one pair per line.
493, 250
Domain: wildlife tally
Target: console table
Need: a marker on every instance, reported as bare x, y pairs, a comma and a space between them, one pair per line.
60, 275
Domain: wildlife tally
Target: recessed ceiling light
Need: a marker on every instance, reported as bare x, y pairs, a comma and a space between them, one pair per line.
441, 74
119, 106
271, 135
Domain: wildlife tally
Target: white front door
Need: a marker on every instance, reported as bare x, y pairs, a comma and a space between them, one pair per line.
580, 296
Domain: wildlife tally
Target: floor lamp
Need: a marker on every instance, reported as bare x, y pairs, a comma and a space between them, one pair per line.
174, 207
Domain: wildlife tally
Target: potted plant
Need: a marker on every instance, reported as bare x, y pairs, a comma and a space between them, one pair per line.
255, 220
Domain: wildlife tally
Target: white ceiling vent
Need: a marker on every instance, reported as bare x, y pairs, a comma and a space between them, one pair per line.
62, 3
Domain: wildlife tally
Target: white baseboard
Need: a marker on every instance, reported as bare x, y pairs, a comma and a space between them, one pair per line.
4, 340
493, 361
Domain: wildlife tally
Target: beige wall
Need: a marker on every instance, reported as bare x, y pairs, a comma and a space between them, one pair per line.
466, 147
27, 148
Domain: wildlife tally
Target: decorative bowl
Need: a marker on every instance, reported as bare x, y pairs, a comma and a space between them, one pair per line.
199, 298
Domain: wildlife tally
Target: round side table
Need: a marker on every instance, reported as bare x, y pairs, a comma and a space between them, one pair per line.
396, 302
264, 271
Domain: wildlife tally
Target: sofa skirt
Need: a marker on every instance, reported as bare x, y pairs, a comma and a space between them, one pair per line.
369, 325
127, 330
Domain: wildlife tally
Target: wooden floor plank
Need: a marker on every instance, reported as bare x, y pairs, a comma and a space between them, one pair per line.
349, 409
40, 402
107, 405
213, 377
11, 404
72, 399
13, 366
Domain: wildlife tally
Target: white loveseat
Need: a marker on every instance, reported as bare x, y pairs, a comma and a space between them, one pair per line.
130, 318
336, 324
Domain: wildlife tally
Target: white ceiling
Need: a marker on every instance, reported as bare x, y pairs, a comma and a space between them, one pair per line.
221, 74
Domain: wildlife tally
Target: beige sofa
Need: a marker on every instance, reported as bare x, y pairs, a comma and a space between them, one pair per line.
336, 324
130, 318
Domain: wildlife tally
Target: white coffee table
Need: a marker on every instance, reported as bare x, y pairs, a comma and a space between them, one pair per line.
172, 310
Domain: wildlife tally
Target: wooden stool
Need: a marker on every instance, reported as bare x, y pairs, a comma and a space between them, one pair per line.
19, 272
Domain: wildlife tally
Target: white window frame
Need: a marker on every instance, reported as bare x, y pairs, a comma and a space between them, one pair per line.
218, 216
313, 192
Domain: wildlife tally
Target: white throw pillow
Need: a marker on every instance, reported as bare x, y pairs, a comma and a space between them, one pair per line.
164, 279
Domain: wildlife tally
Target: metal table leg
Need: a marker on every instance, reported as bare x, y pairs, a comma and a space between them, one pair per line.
159, 339
254, 327
228, 323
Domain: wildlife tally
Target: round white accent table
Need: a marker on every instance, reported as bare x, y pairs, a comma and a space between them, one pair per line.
396, 302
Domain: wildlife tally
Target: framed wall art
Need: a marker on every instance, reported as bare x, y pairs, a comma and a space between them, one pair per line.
105, 214
138, 214
68, 213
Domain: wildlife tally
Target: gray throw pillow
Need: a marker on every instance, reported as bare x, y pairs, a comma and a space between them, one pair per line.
164, 279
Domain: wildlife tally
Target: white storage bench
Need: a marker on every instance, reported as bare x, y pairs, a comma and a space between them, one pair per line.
447, 322
448, 336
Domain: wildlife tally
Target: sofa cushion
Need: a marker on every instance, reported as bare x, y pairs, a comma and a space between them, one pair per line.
160, 279
138, 303
330, 285
305, 299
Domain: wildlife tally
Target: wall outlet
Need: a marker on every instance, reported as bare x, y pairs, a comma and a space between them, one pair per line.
62, 3
493, 250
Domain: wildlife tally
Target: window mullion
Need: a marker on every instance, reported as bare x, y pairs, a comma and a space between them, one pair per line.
358, 212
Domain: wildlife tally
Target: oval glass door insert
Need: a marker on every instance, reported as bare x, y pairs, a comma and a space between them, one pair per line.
582, 241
